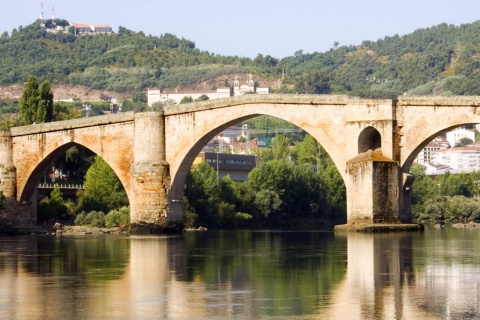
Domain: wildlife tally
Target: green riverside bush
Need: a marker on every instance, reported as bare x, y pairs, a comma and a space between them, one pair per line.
119, 217
92, 219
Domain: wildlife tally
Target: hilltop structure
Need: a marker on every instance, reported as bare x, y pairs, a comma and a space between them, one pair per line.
155, 95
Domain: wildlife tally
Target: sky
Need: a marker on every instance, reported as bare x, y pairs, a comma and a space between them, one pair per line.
251, 27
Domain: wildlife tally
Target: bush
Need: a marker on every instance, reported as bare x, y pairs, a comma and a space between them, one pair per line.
117, 218
81, 219
92, 219
189, 219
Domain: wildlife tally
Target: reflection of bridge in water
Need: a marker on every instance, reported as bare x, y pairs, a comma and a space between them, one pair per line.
372, 142
165, 277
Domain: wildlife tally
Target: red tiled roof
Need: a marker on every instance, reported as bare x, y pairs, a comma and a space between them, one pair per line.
80, 25
103, 26
459, 149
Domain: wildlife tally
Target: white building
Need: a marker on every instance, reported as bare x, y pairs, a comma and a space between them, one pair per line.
425, 156
458, 134
462, 159
436, 169
81, 28
156, 95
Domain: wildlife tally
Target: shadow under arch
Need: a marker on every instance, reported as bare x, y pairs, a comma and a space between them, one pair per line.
369, 139
40, 168
177, 186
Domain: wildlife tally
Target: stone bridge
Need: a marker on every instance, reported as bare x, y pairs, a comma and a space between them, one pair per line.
372, 142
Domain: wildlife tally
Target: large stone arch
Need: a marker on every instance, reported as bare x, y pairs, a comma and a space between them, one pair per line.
38, 171
188, 132
114, 143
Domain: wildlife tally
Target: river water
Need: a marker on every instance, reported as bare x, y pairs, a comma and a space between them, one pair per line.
434, 274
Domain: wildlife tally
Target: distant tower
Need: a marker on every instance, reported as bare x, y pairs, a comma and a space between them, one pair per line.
41, 11
53, 14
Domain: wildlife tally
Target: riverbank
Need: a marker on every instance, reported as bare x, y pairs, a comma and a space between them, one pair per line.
379, 227
59, 229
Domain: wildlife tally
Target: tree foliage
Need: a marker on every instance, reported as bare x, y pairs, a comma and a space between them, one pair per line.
36, 103
53, 207
452, 197
441, 60
278, 193
103, 190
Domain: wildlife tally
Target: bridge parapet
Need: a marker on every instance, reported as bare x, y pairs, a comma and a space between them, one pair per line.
72, 124
304, 99
439, 101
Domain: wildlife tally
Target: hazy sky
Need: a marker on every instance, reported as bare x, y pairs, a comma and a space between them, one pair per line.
246, 28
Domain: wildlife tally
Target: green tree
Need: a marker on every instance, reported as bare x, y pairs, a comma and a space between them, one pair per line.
36, 103
45, 106
267, 202
186, 100
103, 190
423, 189
463, 142
313, 82
202, 190
308, 151
62, 111
203, 97
280, 147
53, 206
29, 101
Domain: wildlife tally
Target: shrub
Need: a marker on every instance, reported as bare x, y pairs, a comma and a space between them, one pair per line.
81, 219
92, 219
189, 219
119, 217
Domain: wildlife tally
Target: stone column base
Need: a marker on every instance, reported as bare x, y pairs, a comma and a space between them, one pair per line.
149, 200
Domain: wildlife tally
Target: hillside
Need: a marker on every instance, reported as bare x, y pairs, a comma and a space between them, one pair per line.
441, 60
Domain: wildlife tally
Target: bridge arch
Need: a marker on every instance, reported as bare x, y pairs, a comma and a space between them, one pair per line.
201, 126
414, 153
38, 170
33, 147
425, 118
369, 139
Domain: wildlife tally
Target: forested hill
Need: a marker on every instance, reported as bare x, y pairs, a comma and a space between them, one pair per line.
443, 59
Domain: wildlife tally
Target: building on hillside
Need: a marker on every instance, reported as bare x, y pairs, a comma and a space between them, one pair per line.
248, 87
460, 160
155, 94
101, 28
243, 147
456, 135
425, 156
81, 28
238, 166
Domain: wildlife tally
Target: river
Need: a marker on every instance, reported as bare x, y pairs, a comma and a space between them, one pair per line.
433, 274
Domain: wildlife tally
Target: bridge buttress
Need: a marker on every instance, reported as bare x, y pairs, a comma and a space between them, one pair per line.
14, 213
150, 172
372, 189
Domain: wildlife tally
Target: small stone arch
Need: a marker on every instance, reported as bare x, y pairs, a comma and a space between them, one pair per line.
369, 139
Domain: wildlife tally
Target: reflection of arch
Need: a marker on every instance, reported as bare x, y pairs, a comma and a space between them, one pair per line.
369, 139
39, 169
